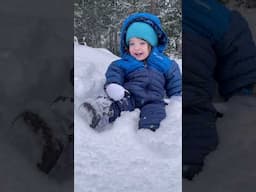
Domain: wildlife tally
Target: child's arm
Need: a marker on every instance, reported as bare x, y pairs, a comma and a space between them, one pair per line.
173, 80
236, 68
114, 82
114, 74
170, 69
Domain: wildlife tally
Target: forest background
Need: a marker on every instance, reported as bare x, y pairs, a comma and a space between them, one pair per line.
97, 22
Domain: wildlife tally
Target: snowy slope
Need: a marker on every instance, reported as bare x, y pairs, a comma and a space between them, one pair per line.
122, 158
34, 67
231, 168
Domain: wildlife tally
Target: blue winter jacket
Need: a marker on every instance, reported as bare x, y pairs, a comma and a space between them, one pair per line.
217, 47
149, 80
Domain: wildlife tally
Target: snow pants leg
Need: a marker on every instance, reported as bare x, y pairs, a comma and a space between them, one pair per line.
151, 115
125, 104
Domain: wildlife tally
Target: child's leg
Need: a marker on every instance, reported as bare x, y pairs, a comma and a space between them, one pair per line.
125, 104
151, 115
96, 112
102, 111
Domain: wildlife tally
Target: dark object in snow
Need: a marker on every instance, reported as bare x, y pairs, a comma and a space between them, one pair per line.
50, 156
63, 99
52, 147
95, 118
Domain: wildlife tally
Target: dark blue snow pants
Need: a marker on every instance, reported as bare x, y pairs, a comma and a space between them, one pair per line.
151, 113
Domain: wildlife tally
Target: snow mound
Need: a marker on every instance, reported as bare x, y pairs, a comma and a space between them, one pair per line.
122, 158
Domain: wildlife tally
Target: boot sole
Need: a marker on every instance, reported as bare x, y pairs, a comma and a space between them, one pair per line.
95, 117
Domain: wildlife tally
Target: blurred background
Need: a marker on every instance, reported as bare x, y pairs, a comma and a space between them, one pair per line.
98, 22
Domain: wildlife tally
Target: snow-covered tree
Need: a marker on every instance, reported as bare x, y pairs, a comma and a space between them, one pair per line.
99, 22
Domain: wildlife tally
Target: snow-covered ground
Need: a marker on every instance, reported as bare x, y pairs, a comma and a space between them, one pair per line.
231, 168
20, 149
34, 69
122, 158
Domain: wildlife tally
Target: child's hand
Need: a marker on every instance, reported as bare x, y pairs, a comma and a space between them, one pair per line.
115, 91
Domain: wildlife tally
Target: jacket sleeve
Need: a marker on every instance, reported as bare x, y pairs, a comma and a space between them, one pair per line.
237, 57
114, 74
173, 80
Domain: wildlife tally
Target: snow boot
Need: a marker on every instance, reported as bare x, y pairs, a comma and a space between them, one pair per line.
97, 112
52, 150
52, 147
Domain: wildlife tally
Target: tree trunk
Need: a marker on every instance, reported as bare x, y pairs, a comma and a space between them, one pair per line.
153, 7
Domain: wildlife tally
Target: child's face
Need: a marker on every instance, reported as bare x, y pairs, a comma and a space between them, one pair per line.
139, 48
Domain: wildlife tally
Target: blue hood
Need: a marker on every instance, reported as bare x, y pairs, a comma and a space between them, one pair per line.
146, 18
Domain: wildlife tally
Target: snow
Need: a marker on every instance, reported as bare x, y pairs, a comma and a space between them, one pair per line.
32, 74
232, 166
122, 158
19, 148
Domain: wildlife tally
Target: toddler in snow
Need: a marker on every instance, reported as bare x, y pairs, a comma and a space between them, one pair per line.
140, 79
